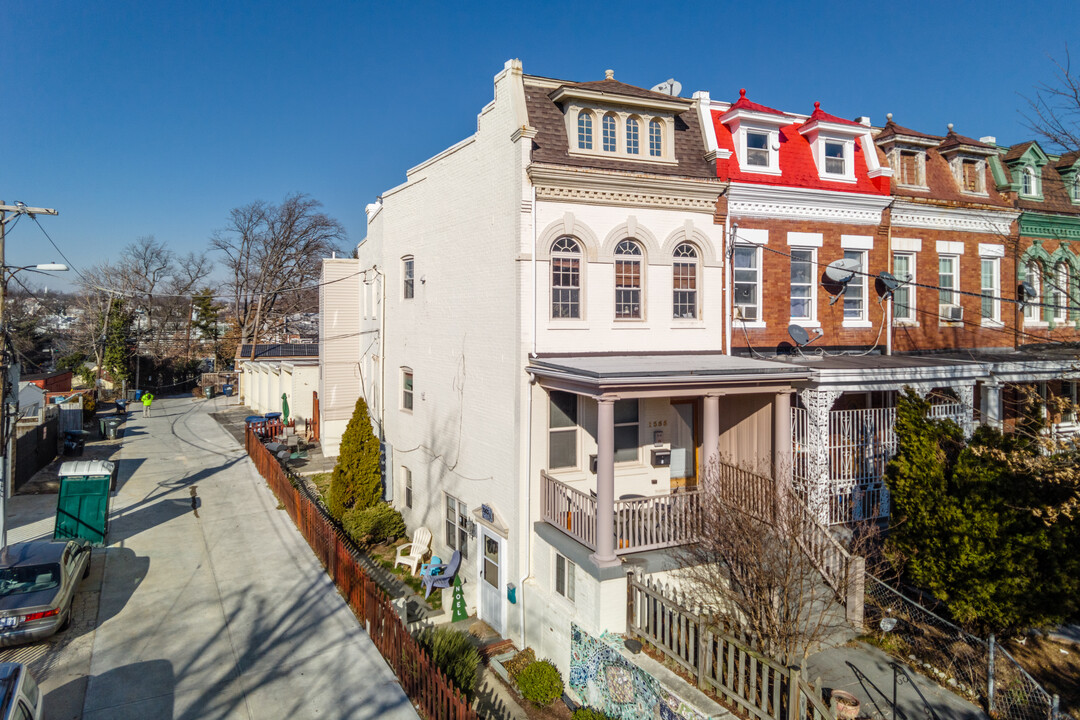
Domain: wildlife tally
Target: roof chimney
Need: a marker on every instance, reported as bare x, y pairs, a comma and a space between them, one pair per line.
863, 120
988, 139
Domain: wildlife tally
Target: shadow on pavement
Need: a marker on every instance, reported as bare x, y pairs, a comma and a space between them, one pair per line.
67, 701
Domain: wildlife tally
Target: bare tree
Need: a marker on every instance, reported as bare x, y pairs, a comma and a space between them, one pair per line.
752, 567
1054, 110
272, 253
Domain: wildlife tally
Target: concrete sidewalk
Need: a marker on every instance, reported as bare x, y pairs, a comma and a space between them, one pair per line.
211, 603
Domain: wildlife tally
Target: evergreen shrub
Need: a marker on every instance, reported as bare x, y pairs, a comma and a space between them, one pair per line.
540, 683
452, 652
89, 407
588, 713
519, 662
356, 480
374, 524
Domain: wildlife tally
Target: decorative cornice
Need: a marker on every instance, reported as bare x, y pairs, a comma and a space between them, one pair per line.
934, 217
1043, 225
786, 203
605, 187
674, 105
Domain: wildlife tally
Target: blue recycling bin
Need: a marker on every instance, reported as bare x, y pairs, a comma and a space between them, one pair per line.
138, 395
227, 390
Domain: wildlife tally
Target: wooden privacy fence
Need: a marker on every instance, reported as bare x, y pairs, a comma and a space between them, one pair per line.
423, 682
756, 684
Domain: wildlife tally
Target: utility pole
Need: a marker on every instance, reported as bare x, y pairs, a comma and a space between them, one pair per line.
9, 396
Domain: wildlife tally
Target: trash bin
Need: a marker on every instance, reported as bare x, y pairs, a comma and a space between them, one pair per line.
227, 390
138, 395
101, 425
74, 440
209, 391
112, 428
121, 407
82, 504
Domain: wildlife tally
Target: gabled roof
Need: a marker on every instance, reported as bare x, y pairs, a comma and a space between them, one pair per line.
611, 86
1017, 151
743, 104
892, 130
820, 115
1067, 161
954, 140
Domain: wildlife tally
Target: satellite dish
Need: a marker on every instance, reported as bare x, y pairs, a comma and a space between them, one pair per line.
798, 334
888, 280
1029, 289
671, 86
842, 270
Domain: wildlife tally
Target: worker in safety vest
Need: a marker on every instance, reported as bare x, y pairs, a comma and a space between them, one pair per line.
147, 398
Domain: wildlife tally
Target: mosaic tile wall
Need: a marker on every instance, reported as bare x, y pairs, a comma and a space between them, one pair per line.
607, 681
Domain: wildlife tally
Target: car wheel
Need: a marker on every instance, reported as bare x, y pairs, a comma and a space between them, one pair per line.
67, 622
86, 571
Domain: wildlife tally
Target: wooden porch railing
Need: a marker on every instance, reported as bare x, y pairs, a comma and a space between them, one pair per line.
641, 524
755, 683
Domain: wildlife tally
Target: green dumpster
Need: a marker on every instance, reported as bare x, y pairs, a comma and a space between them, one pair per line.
82, 505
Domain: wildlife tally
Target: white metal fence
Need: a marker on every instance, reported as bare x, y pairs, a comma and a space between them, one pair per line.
858, 444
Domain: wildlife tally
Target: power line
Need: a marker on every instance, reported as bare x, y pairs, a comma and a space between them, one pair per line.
69, 263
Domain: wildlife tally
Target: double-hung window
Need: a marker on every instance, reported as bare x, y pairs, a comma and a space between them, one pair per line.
948, 280
757, 149
990, 288
904, 295
584, 130
564, 577
746, 263
626, 430
802, 284
407, 269
1033, 308
684, 282
406, 389
565, 279
834, 159
628, 281
407, 474
457, 525
1060, 294
633, 136
855, 292
1029, 184
562, 430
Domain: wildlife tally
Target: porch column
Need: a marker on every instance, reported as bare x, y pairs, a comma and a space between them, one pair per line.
710, 442
605, 485
966, 393
782, 470
991, 404
818, 403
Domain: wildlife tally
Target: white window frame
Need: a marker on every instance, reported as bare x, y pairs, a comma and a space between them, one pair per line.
632, 135
758, 152
408, 277
1033, 309
908, 289
1030, 175
630, 253
572, 303
456, 524
859, 318
1059, 292
586, 136
842, 157
614, 134
991, 292
406, 476
811, 284
552, 430
408, 389
954, 281
692, 293
756, 253
656, 139
563, 577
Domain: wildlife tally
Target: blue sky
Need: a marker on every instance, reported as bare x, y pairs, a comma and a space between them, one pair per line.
155, 118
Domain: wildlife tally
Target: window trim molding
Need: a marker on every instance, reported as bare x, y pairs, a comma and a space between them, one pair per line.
408, 277
811, 319
580, 256
863, 321
404, 371
911, 290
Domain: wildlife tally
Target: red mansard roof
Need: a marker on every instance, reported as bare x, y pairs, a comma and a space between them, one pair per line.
797, 167
743, 104
822, 116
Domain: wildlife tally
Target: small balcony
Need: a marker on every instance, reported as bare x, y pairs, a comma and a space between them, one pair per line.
640, 524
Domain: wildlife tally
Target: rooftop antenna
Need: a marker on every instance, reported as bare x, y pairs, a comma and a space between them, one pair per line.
671, 86
840, 272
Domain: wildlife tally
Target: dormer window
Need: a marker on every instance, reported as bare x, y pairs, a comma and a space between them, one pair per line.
1076, 188
584, 130
757, 149
1029, 184
911, 168
656, 138
834, 158
970, 176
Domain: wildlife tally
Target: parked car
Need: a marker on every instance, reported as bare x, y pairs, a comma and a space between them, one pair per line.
38, 580
20, 698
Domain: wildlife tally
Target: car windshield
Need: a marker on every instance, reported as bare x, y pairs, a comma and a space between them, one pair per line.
28, 578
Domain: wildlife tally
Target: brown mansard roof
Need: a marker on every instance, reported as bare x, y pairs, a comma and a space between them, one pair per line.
552, 146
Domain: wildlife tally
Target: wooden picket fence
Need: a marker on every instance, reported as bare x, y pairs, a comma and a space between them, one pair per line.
425, 684
731, 666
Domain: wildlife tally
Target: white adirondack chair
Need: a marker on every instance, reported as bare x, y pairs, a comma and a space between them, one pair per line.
412, 554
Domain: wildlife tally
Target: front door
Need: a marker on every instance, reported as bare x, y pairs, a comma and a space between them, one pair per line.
684, 444
491, 582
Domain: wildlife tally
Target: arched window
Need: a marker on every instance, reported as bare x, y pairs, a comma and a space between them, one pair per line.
633, 136
1029, 184
656, 138
565, 278
1076, 188
684, 283
1059, 296
584, 130
1033, 310
609, 133
628, 281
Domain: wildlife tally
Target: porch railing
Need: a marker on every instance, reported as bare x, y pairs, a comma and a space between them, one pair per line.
648, 523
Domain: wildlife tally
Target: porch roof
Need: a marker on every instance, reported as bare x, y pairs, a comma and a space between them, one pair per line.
673, 374
888, 372
1031, 363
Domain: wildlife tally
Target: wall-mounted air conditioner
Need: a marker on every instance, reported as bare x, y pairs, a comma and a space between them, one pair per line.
951, 313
